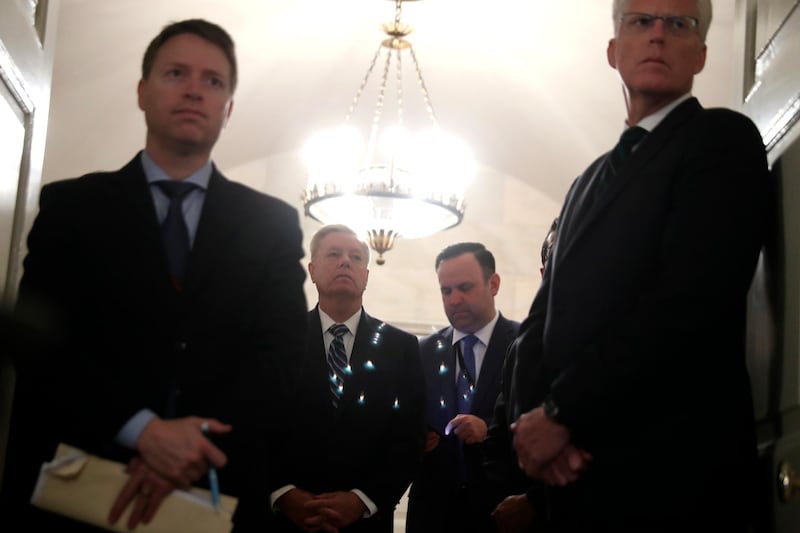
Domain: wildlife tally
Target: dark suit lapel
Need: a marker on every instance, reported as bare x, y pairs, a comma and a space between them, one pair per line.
492, 364
649, 148
315, 372
446, 357
138, 229
218, 224
363, 352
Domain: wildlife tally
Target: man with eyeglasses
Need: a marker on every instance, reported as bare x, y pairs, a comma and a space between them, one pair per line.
630, 393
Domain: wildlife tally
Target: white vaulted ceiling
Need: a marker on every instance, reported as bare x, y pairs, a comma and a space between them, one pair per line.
524, 82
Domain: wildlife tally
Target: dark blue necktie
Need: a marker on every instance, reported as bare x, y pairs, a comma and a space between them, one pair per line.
465, 385
337, 361
174, 230
620, 154
465, 388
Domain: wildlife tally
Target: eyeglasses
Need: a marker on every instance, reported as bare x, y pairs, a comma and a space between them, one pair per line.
676, 25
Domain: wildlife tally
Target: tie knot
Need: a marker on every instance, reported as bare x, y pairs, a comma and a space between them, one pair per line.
338, 330
470, 341
630, 138
176, 189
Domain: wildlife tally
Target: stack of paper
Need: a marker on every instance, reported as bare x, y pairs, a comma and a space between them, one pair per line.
84, 487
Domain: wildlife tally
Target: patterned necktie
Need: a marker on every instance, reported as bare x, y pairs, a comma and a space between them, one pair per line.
465, 384
620, 154
337, 361
174, 230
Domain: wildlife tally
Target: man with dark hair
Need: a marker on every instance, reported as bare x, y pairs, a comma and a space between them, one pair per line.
210, 32
173, 300
462, 365
633, 350
360, 426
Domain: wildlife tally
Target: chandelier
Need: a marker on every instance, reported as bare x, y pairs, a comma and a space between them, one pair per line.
377, 174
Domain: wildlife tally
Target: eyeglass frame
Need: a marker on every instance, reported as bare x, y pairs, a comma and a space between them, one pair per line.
667, 20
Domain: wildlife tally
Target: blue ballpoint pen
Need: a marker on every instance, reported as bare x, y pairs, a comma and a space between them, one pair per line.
213, 482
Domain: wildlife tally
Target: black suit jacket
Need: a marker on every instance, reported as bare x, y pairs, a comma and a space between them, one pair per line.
637, 331
439, 471
373, 440
96, 280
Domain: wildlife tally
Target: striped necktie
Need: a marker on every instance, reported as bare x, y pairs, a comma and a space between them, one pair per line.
337, 361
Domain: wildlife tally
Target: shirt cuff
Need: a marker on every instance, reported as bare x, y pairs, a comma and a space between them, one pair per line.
275, 496
130, 432
371, 507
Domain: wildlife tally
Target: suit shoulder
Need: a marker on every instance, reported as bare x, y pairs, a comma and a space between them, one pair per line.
435, 341
76, 189
384, 328
509, 324
259, 198
259, 211
726, 120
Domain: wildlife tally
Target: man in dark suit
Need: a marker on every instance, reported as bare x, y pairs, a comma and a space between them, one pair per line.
360, 404
450, 493
520, 496
154, 336
633, 351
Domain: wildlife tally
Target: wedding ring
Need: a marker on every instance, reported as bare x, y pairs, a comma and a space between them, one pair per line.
204, 427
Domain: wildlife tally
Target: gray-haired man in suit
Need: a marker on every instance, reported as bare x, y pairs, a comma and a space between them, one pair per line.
633, 351
359, 405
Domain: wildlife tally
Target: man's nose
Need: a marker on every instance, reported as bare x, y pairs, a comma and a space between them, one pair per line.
193, 89
453, 299
658, 30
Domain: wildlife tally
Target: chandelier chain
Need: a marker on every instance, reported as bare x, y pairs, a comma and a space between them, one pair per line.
357, 97
376, 118
423, 88
399, 88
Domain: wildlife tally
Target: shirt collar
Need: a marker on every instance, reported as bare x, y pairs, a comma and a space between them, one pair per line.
154, 173
484, 334
651, 121
351, 323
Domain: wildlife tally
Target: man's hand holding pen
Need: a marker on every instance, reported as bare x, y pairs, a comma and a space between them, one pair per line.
174, 454
469, 428
179, 451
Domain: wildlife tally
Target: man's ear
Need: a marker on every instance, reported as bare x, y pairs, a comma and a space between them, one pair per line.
228, 114
701, 60
139, 93
611, 53
494, 283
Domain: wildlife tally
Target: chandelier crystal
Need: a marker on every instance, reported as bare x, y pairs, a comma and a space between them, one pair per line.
379, 176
